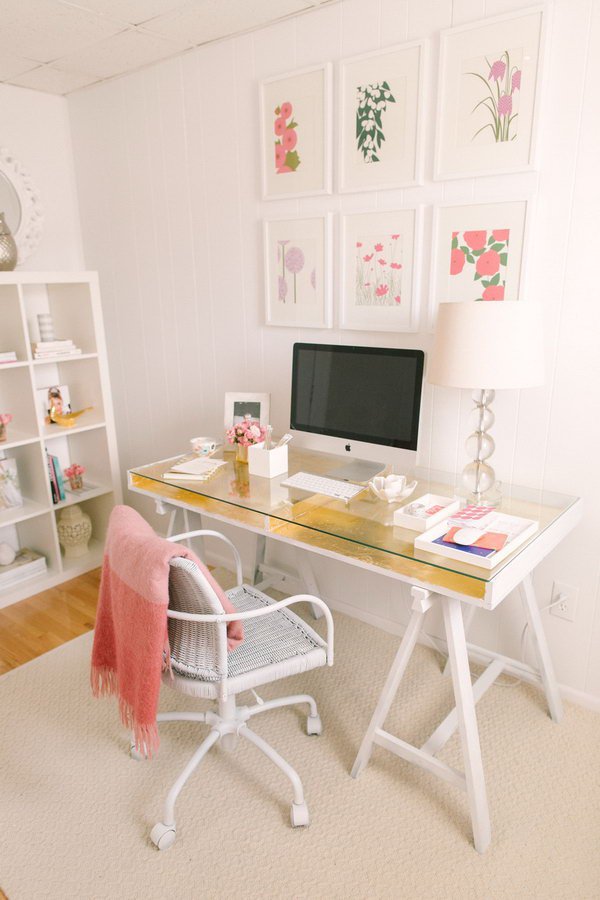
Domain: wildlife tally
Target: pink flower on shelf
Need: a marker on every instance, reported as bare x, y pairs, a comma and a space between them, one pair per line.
378, 248
382, 290
497, 70
6, 419
294, 260
368, 257
501, 234
494, 292
515, 83
290, 139
396, 265
74, 470
283, 288
475, 239
382, 262
488, 263
395, 237
280, 126
279, 155
286, 110
397, 299
505, 105
457, 261
359, 243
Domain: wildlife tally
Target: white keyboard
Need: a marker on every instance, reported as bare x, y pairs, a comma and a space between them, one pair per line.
341, 490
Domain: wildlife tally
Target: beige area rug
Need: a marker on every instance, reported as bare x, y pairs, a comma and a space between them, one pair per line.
76, 811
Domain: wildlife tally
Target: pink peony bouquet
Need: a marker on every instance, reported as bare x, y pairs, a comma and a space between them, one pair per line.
5, 418
246, 433
75, 470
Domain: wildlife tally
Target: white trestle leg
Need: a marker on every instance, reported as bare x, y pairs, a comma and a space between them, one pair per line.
542, 652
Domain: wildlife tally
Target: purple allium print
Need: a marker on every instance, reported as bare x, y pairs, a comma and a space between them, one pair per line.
497, 70
505, 105
294, 260
313, 279
283, 288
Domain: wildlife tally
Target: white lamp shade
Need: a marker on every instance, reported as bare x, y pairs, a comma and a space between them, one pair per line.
488, 344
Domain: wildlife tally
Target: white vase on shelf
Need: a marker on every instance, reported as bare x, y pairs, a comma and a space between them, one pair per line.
74, 531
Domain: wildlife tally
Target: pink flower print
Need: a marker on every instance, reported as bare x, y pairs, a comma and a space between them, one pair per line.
454, 234
313, 279
516, 80
488, 263
382, 290
497, 70
368, 257
294, 260
397, 299
280, 126
505, 105
395, 237
501, 234
290, 139
494, 292
457, 261
286, 110
378, 248
396, 265
283, 289
475, 239
382, 262
279, 155
359, 243
282, 169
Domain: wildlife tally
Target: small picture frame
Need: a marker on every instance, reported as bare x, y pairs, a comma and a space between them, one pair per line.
56, 397
295, 125
490, 75
380, 283
297, 256
381, 104
239, 404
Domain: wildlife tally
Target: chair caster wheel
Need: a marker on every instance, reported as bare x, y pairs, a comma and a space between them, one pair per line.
163, 836
299, 815
135, 754
314, 725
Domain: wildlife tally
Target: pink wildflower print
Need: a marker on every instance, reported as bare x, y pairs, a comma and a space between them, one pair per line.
290, 139
505, 105
382, 290
497, 70
397, 299
368, 257
501, 234
282, 169
280, 126
516, 80
457, 261
382, 262
488, 263
286, 110
279, 156
494, 292
359, 243
378, 248
283, 289
396, 265
395, 237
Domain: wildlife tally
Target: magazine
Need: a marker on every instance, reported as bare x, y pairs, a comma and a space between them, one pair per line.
10, 490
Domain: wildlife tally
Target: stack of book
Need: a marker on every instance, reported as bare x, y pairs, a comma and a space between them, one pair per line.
56, 478
26, 564
54, 349
9, 356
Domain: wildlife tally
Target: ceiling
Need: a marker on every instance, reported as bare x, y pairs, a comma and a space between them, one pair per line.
59, 46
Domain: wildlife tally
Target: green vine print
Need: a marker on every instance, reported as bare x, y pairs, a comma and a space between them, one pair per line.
372, 101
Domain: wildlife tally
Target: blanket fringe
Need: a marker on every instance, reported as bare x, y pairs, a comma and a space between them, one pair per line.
145, 736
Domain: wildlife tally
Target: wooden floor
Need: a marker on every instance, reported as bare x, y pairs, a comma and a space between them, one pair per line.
47, 620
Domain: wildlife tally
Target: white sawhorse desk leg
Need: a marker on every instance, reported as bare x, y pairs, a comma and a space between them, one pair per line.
542, 652
463, 717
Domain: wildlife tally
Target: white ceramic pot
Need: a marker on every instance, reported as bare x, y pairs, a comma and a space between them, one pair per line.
74, 531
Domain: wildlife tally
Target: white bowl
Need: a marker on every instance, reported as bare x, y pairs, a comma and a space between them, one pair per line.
392, 488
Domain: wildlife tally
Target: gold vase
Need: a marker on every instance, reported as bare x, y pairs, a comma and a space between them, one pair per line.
241, 453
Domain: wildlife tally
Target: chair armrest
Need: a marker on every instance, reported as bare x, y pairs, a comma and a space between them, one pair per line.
216, 534
264, 611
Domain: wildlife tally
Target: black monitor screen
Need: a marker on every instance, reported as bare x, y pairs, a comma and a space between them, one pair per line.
370, 394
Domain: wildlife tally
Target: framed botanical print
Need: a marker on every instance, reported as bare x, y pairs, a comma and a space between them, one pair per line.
298, 272
295, 113
478, 252
380, 290
488, 95
381, 98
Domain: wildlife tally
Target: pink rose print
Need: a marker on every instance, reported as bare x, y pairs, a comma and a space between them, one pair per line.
286, 110
382, 262
475, 239
286, 156
397, 299
516, 80
505, 105
290, 139
280, 126
396, 265
494, 292
378, 248
382, 290
501, 234
368, 257
488, 263
457, 261
284, 169
279, 156
497, 70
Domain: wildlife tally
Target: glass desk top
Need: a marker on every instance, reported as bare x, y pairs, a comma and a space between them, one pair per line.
365, 521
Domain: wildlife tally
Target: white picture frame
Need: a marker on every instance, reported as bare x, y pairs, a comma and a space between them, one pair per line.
490, 74
297, 265
238, 403
500, 227
387, 154
296, 107
379, 270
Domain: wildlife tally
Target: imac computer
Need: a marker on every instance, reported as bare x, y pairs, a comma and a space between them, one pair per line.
360, 402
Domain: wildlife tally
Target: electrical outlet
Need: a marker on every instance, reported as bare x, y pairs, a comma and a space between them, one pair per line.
567, 607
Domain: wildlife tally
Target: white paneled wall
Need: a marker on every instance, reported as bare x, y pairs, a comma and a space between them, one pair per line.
168, 177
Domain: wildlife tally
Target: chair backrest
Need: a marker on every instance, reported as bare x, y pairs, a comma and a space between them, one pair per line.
200, 648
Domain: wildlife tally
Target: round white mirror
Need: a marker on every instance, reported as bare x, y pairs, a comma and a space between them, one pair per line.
20, 203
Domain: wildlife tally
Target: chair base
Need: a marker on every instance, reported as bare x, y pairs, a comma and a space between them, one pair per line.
228, 723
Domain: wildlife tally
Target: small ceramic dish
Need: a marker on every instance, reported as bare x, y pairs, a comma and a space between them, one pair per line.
392, 488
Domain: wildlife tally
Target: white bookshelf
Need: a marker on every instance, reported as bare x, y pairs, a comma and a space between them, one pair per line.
73, 299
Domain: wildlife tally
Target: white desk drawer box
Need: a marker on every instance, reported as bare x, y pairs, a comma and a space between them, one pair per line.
429, 501
267, 463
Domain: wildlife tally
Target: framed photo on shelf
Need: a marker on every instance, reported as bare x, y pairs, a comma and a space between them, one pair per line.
381, 99
380, 290
56, 396
298, 272
488, 95
478, 252
295, 123
239, 404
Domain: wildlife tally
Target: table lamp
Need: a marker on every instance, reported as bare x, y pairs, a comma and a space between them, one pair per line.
486, 346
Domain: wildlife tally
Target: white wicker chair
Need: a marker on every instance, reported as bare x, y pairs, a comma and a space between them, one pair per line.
277, 643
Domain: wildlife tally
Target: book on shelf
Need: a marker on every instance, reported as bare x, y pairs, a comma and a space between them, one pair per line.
8, 356
10, 489
54, 349
26, 564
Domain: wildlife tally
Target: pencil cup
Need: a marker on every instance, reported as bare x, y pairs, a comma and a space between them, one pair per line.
267, 463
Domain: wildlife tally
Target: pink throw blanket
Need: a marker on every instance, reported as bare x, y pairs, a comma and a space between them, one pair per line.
131, 624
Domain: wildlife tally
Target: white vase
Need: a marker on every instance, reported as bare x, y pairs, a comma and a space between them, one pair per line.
74, 531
